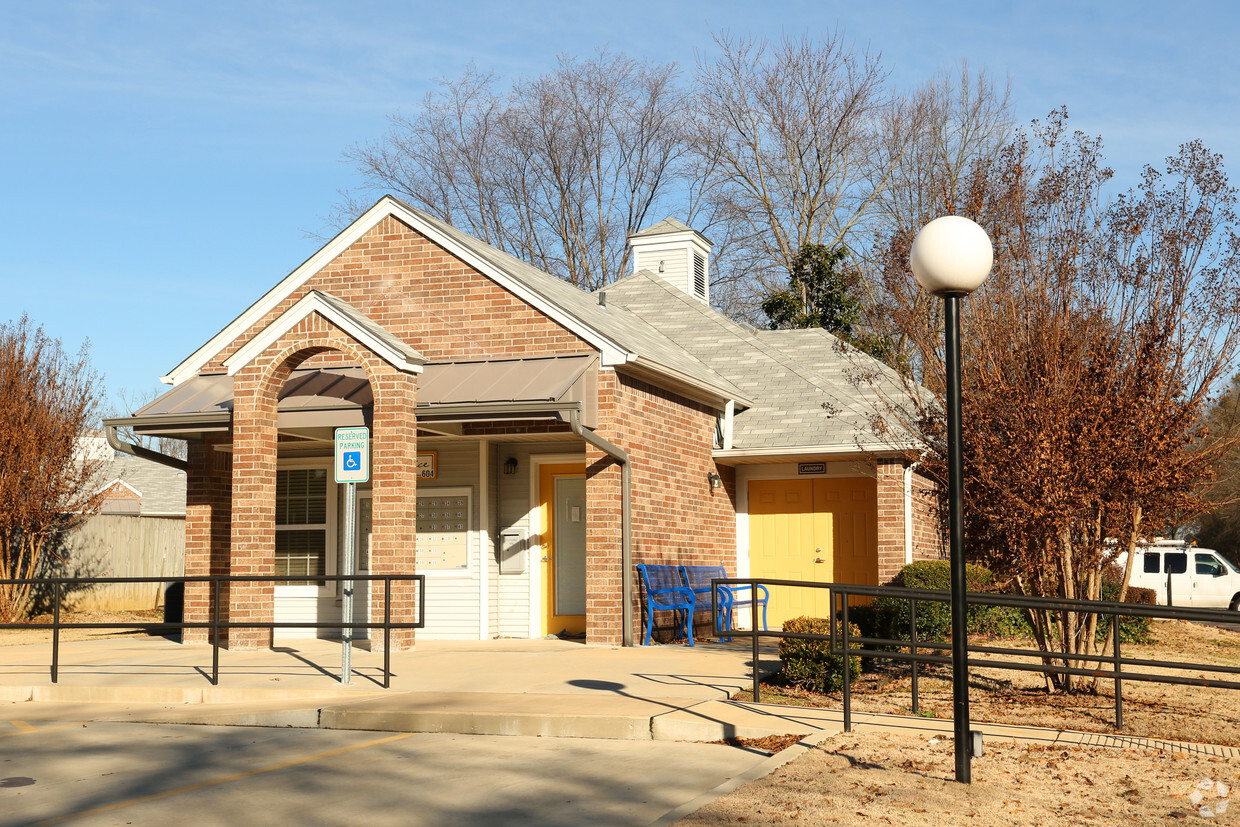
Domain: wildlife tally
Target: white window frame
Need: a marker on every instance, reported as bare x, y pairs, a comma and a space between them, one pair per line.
331, 550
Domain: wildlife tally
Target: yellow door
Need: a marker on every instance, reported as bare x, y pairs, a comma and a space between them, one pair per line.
819, 530
562, 505
853, 507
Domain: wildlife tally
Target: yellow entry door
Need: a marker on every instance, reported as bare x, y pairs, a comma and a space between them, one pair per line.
562, 508
820, 530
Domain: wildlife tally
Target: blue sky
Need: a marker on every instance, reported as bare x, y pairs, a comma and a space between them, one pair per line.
163, 164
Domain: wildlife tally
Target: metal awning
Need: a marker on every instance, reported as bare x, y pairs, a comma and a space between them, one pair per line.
474, 391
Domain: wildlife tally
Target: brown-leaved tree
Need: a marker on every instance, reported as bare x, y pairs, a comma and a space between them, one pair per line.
48, 398
1088, 363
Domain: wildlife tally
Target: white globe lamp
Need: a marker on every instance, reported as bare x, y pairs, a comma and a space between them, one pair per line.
951, 255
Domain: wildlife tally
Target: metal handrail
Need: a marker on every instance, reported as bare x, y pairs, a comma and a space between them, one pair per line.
215, 624
842, 644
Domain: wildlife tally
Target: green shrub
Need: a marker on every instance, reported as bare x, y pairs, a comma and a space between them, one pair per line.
934, 619
809, 663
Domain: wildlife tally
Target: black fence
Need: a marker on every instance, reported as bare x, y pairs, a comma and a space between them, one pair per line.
1113, 666
215, 625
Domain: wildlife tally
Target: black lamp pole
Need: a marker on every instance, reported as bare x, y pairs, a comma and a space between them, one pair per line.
951, 257
955, 536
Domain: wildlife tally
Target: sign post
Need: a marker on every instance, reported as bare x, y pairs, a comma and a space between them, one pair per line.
352, 467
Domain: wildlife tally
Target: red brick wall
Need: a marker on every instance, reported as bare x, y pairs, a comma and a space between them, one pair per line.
676, 516
208, 516
433, 301
929, 529
891, 535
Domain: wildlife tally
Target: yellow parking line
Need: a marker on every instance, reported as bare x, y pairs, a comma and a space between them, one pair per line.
24, 728
222, 780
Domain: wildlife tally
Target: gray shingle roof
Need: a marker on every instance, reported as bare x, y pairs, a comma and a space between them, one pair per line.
629, 330
162, 488
799, 380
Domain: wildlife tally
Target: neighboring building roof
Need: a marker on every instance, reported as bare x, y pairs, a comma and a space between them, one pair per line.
162, 489
799, 380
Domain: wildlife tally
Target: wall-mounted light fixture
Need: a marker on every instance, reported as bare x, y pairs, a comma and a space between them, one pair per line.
510, 466
660, 265
715, 480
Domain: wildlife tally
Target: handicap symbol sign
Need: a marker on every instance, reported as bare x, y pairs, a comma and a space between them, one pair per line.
352, 460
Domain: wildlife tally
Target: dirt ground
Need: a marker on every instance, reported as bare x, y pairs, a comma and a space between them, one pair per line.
881, 778
22, 637
885, 778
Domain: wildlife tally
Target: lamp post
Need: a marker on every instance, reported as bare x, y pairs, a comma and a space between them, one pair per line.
951, 257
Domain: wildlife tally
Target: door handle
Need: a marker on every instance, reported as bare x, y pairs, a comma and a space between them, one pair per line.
546, 559
819, 560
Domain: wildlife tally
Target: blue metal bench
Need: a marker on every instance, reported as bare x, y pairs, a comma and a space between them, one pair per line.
666, 592
698, 579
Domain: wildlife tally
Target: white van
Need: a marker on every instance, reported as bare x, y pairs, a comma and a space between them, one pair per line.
1184, 575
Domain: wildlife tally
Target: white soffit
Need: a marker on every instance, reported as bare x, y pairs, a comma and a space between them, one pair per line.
611, 353
383, 344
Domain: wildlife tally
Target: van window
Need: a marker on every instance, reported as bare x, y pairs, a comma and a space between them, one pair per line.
1152, 559
1177, 562
1208, 564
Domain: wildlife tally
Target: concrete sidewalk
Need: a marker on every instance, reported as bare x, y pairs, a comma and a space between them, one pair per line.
500, 687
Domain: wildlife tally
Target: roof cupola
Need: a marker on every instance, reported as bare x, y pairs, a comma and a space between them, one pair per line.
676, 253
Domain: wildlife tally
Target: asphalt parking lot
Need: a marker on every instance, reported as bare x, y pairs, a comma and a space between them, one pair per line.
54, 772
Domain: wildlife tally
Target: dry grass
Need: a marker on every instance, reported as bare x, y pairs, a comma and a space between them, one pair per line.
895, 778
22, 637
1177, 713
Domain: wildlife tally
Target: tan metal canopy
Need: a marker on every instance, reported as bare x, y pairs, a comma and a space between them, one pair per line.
490, 390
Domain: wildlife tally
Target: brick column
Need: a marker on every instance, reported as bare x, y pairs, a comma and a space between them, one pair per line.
891, 535
253, 504
394, 455
208, 516
604, 618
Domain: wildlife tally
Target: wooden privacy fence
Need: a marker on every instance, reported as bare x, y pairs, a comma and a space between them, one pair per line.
119, 545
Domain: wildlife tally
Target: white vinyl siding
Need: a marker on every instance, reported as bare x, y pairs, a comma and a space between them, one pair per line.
452, 611
510, 601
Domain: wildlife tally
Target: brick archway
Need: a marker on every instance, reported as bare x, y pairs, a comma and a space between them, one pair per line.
256, 390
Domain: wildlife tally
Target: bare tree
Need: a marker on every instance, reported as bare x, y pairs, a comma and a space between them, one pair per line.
130, 403
939, 136
789, 138
558, 171
1089, 359
48, 399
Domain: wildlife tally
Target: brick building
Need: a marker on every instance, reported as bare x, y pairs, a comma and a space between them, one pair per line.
531, 442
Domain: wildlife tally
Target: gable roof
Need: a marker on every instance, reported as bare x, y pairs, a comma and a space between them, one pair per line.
799, 380
622, 339
340, 313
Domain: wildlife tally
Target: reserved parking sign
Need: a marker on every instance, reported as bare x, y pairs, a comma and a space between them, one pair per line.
352, 454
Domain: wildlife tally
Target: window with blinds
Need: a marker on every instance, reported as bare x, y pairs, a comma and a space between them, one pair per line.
301, 523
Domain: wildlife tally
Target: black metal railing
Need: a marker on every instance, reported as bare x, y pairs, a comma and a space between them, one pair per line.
215, 625
1113, 666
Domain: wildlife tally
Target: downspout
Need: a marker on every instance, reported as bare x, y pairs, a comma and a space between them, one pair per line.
142, 453
626, 522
